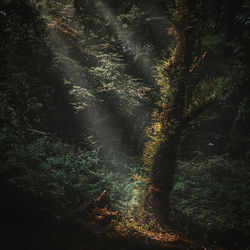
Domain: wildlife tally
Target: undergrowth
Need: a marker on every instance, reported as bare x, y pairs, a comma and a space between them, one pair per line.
62, 174
212, 196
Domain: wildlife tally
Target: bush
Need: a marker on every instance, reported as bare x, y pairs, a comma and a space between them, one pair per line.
213, 195
57, 172
62, 174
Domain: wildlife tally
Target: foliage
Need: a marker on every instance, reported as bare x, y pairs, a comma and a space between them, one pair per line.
62, 174
77, 89
155, 133
104, 94
56, 172
28, 80
212, 195
36, 160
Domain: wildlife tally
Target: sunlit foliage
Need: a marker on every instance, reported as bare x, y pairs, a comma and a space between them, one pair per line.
156, 132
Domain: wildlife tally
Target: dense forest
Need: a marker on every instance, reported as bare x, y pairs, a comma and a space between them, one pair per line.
124, 124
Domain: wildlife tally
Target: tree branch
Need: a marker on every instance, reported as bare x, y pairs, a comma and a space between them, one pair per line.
195, 112
38, 132
200, 60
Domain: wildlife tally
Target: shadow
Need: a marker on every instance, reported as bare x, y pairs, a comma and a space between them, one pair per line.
35, 86
228, 239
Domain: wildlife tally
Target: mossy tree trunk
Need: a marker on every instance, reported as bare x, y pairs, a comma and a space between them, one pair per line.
164, 164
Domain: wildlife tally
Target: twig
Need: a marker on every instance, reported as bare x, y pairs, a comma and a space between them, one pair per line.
201, 59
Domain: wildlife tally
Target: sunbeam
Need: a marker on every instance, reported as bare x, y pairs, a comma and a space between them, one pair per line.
112, 111
145, 62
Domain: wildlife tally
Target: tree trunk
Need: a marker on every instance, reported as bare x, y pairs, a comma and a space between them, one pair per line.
163, 169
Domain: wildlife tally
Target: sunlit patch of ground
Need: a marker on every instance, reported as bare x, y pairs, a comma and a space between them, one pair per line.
27, 226
164, 239
138, 234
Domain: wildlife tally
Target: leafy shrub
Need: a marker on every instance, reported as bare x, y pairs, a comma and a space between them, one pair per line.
118, 178
62, 174
212, 195
50, 169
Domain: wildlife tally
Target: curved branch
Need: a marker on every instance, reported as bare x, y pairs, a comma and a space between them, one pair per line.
195, 112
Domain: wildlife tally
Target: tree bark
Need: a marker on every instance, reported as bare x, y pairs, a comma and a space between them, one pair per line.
158, 191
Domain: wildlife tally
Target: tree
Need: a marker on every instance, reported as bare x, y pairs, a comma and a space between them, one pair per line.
200, 29
178, 105
164, 163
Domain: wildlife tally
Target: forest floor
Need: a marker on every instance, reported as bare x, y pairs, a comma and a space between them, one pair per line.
24, 225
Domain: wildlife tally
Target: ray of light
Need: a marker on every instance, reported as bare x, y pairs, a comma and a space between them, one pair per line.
102, 127
145, 64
